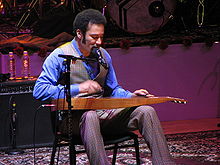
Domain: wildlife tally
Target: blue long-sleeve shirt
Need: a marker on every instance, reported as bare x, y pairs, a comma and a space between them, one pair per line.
47, 86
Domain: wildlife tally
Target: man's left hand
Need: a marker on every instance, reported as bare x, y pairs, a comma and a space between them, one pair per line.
142, 92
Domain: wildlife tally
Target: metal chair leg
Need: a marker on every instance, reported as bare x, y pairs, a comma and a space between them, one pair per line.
58, 155
53, 152
72, 154
136, 145
114, 154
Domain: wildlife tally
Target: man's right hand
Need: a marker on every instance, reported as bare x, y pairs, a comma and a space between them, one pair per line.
89, 87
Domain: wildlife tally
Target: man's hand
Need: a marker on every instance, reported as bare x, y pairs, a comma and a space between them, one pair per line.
142, 92
89, 87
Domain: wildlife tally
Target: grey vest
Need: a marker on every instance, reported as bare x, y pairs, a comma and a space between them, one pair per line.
79, 73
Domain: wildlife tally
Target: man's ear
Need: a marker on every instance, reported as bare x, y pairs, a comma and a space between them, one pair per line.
79, 34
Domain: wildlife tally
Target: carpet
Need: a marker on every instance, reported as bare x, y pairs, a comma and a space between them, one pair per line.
200, 146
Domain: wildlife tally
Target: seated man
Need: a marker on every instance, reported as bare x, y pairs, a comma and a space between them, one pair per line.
98, 77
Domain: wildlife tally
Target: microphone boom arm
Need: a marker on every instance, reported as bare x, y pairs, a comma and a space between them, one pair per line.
74, 58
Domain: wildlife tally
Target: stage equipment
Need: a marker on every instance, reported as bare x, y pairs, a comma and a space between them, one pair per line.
156, 9
141, 16
31, 8
5, 7
1, 7
200, 12
13, 120
39, 8
20, 93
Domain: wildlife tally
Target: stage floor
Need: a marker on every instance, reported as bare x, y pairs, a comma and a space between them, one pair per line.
196, 148
184, 126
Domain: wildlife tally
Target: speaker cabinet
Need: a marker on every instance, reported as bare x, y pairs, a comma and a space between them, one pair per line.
26, 108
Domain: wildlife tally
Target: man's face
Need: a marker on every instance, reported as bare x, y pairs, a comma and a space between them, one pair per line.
93, 37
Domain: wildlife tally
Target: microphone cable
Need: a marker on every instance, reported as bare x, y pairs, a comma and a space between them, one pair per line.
34, 126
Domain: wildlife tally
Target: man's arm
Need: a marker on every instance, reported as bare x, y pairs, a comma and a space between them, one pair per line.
112, 88
46, 86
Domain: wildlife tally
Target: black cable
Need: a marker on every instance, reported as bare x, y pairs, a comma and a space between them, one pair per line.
58, 112
11, 125
35, 115
57, 119
34, 127
55, 124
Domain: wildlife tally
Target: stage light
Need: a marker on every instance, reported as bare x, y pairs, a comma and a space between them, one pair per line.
1, 7
156, 9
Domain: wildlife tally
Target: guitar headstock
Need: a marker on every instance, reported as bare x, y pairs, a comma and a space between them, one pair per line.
178, 100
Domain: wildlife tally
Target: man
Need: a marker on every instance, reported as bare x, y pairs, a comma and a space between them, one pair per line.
98, 78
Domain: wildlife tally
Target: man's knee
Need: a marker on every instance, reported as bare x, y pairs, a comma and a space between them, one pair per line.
90, 115
145, 110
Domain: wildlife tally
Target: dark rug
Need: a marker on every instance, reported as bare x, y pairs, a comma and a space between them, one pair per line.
201, 147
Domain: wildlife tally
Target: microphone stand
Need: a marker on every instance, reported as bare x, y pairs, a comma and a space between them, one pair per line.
13, 116
68, 99
67, 62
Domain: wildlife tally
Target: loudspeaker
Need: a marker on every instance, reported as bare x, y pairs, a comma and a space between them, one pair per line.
26, 108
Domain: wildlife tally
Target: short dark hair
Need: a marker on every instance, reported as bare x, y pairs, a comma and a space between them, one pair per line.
86, 17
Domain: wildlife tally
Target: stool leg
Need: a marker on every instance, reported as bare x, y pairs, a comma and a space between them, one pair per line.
114, 154
72, 154
53, 152
58, 154
136, 145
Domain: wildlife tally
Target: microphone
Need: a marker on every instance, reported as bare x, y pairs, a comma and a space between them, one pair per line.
48, 105
98, 55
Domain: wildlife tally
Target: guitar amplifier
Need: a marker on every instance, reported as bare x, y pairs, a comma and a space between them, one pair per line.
17, 87
26, 107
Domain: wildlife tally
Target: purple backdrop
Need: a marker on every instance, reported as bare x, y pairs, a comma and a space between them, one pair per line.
190, 73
